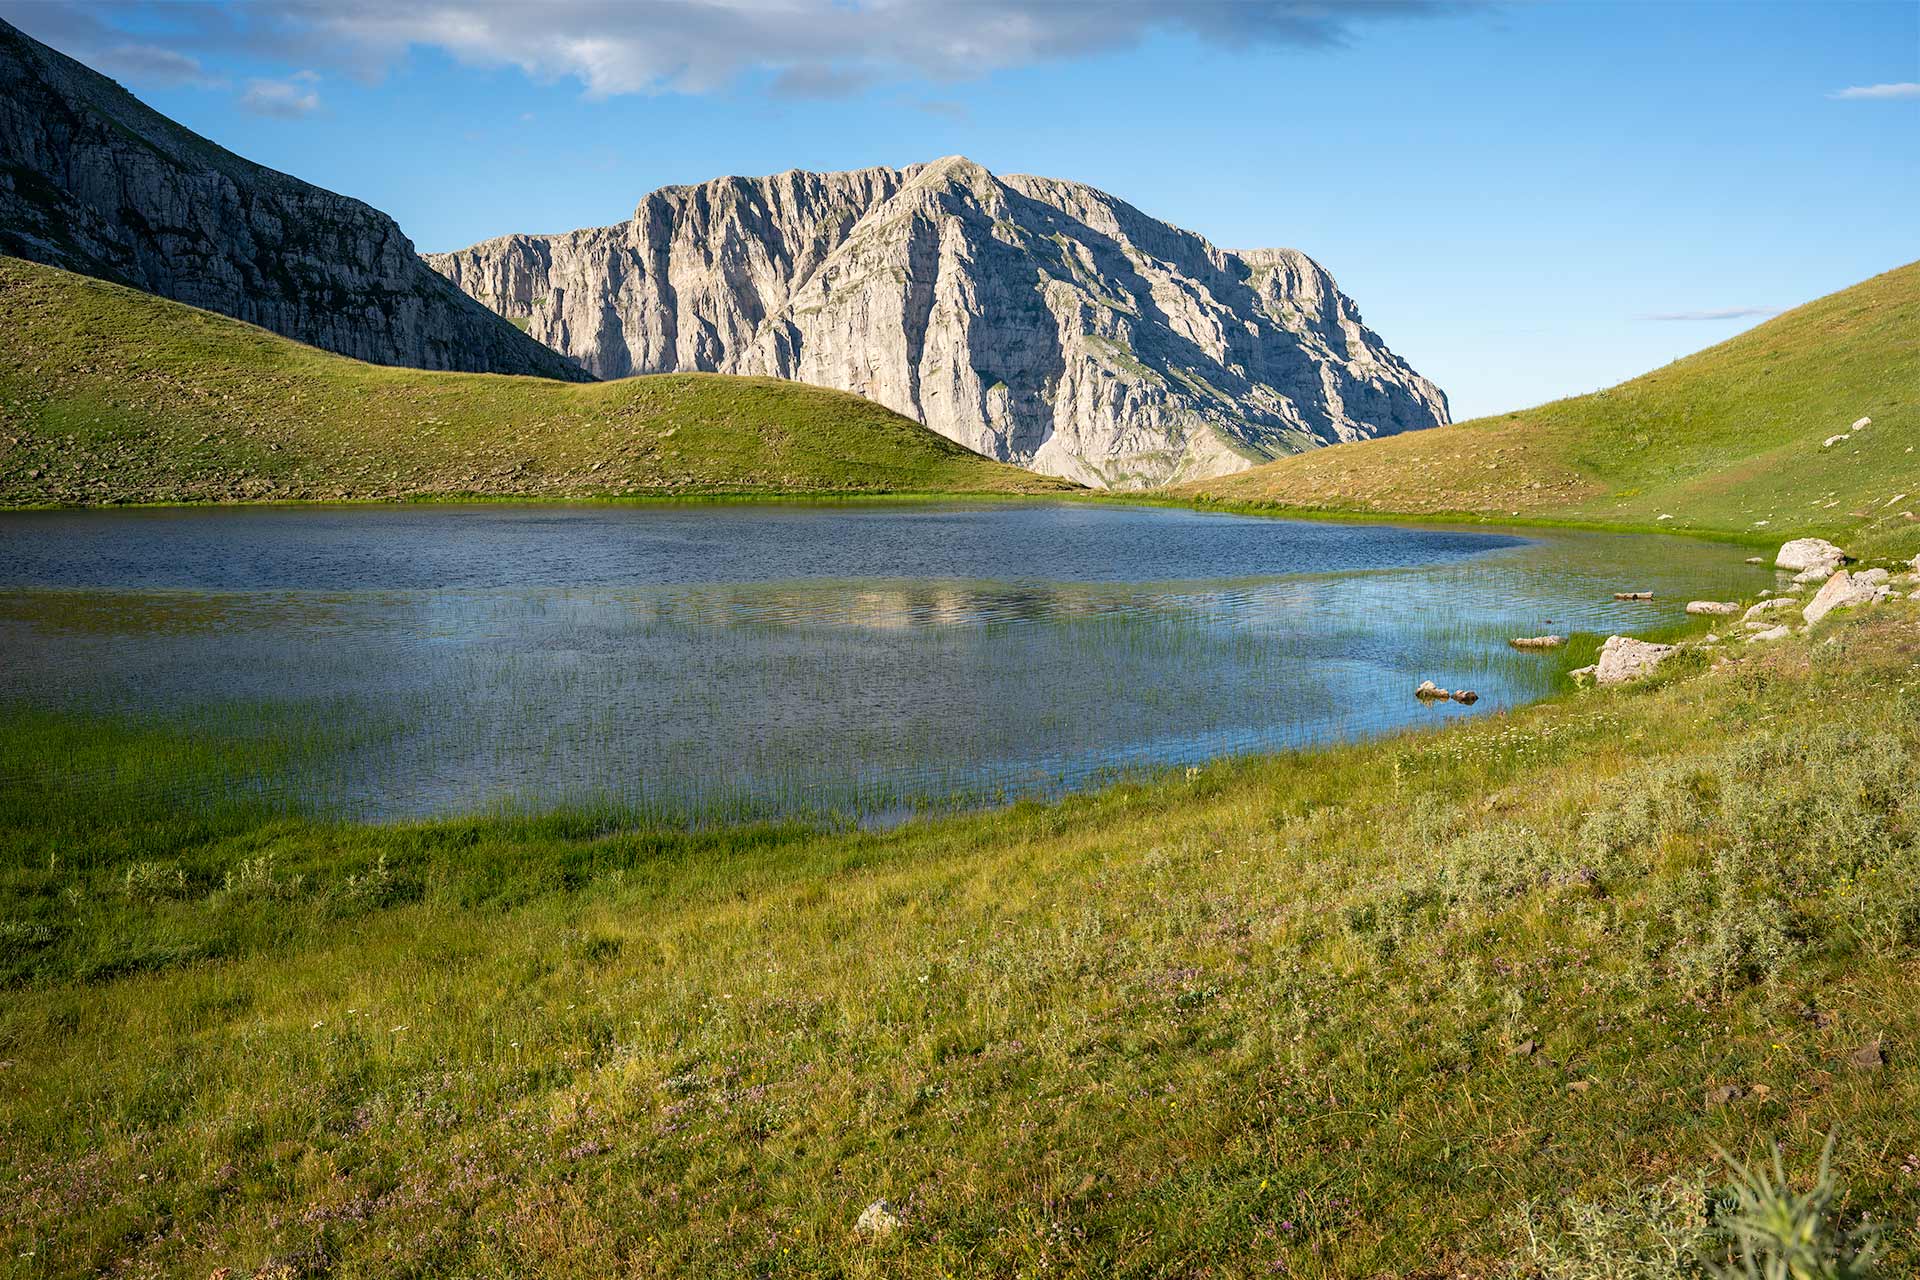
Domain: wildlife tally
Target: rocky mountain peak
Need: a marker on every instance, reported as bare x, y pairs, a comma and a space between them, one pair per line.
1037, 320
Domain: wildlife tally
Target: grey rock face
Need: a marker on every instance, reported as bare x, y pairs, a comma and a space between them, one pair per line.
1036, 321
92, 180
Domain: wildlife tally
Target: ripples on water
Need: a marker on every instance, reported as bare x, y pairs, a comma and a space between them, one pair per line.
731, 661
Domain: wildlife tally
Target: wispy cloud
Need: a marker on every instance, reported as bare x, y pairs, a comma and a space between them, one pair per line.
696, 46
1725, 313
150, 64
283, 99
1905, 89
946, 110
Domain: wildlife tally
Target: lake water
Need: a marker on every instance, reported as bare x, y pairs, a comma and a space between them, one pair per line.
725, 661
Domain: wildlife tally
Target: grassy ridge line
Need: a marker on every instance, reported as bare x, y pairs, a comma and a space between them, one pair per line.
1729, 440
1256, 1021
109, 395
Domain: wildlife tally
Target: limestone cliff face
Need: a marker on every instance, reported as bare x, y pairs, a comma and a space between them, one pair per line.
94, 181
1037, 321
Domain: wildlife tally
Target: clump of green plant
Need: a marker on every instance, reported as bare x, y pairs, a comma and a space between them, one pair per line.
1659, 1232
1780, 1234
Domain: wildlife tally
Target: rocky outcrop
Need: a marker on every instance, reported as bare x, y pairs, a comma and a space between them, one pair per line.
1036, 321
94, 181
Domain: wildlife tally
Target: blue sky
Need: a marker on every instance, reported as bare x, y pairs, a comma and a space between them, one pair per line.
1521, 197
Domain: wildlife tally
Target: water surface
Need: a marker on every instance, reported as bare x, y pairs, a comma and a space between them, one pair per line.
839, 659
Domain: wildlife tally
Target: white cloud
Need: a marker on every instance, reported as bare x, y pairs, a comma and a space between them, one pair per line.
806, 47
1727, 313
283, 99
151, 64
1905, 89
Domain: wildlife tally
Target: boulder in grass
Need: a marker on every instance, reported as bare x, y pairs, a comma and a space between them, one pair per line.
1713, 608
1622, 658
1842, 592
1769, 633
1805, 553
877, 1220
1769, 606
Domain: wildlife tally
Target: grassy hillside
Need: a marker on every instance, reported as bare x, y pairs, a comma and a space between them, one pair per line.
111, 395
1728, 440
1488, 1014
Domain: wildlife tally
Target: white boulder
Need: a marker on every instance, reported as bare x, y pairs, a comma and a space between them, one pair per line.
1842, 592
1622, 658
877, 1219
1713, 607
1768, 606
1805, 553
1771, 633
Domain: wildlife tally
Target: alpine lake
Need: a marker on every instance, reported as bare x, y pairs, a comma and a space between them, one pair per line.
849, 662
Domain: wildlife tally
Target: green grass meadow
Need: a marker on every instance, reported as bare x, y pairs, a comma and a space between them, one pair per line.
111, 396
1731, 440
1482, 1001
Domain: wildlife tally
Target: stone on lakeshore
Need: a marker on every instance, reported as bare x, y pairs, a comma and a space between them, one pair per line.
1805, 553
1770, 633
1537, 642
1622, 658
1713, 607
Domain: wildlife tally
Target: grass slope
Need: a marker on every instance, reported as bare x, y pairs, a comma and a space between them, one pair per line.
111, 395
1728, 440
1487, 1014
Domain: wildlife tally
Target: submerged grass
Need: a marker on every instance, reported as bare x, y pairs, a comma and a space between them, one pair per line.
1448, 1002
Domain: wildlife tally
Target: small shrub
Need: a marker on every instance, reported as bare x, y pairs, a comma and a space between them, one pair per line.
1779, 1234
154, 882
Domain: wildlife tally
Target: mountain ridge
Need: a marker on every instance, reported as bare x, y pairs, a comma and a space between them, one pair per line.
1036, 320
94, 180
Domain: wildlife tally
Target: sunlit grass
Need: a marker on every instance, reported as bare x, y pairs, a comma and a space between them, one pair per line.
1731, 440
1355, 1011
109, 395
